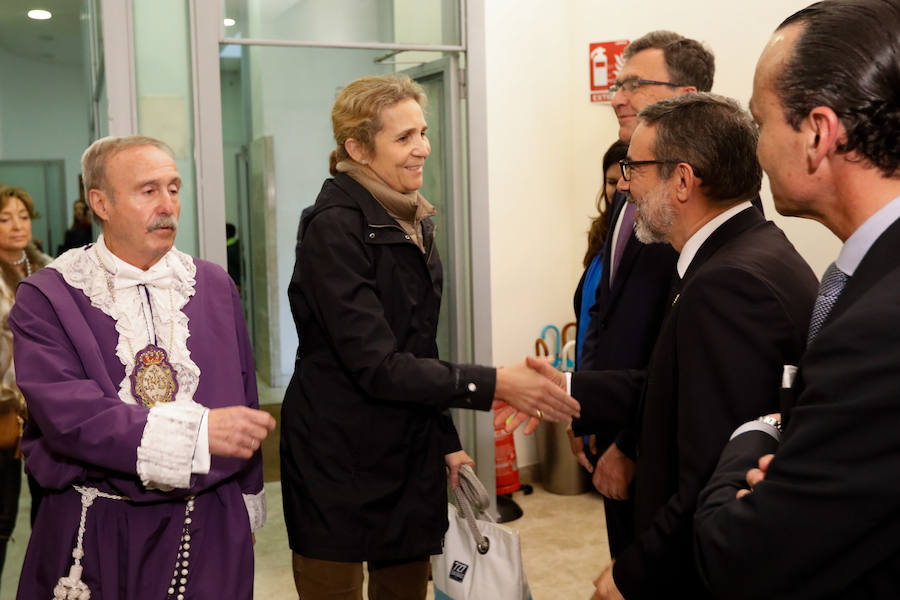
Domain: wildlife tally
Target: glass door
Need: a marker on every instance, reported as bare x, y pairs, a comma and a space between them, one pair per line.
442, 186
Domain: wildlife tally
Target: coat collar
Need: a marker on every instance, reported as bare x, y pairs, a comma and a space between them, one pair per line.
726, 232
351, 194
374, 213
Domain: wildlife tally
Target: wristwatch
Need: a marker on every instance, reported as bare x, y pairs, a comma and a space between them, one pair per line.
770, 420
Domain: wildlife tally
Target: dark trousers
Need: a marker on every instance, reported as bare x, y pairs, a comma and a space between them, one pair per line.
10, 486
331, 580
619, 523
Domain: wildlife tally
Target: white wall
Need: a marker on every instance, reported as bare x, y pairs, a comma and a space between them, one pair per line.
547, 141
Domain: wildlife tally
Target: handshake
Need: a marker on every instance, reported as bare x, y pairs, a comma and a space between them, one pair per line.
532, 391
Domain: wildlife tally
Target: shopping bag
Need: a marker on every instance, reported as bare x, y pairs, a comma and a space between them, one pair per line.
482, 560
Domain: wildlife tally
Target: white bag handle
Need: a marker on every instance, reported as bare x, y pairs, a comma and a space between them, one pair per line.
473, 502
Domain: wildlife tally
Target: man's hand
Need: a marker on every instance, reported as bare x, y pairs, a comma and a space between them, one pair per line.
534, 395
237, 431
576, 443
614, 473
754, 476
454, 461
606, 587
543, 366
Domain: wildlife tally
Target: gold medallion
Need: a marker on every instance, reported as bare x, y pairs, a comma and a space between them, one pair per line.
153, 379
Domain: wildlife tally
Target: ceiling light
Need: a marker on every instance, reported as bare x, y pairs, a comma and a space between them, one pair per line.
39, 15
229, 22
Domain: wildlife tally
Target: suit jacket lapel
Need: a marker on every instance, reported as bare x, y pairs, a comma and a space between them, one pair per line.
878, 262
605, 287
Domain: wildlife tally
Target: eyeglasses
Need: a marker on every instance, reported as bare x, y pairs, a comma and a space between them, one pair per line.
632, 84
627, 166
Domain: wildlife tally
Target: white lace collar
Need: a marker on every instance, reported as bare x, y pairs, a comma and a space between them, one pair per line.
170, 284
124, 275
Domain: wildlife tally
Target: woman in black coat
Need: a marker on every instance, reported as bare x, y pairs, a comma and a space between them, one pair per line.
366, 433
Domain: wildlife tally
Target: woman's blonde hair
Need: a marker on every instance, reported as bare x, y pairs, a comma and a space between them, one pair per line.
357, 110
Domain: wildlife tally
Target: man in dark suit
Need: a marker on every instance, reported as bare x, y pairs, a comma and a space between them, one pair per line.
823, 517
738, 313
631, 296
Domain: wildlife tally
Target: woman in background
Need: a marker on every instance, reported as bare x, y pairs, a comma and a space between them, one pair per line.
80, 234
18, 259
367, 442
586, 292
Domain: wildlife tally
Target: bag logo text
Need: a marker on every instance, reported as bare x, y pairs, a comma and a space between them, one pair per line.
458, 571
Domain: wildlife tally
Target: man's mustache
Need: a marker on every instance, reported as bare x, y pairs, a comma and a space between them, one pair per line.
163, 222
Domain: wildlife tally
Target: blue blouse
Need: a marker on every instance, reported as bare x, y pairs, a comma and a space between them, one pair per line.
588, 297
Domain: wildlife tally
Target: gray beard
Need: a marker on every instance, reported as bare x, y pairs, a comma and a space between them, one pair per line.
652, 226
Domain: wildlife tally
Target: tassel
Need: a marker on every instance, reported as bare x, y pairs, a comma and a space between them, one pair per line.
71, 587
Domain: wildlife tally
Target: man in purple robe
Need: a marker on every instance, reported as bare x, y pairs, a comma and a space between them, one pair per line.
143, 423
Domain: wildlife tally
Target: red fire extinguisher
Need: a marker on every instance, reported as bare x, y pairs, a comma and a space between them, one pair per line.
507, 472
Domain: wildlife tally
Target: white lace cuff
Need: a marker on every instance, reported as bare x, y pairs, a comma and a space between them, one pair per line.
166, 452
256, 509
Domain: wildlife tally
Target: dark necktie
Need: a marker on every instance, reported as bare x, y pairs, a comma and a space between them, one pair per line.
625, 229
833, 282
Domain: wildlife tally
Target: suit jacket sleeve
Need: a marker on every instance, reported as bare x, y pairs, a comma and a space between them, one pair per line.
730, 334
829, 500
608, 399
342, 294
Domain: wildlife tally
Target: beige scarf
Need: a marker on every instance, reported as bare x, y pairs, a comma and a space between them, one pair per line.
407, 209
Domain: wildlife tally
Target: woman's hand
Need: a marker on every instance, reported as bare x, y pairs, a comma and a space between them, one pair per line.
454, 461
537, 391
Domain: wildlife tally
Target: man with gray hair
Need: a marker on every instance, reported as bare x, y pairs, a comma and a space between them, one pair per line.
144, 426
737, 313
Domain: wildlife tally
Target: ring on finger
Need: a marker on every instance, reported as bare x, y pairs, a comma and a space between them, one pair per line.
540, 414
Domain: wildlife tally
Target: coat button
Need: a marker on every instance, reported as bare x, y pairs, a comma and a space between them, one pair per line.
472, 387
371, 236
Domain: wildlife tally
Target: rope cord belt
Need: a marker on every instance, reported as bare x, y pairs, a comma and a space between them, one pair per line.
72, 587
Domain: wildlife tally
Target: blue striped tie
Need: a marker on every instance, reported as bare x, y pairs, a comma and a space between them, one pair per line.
833, 282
